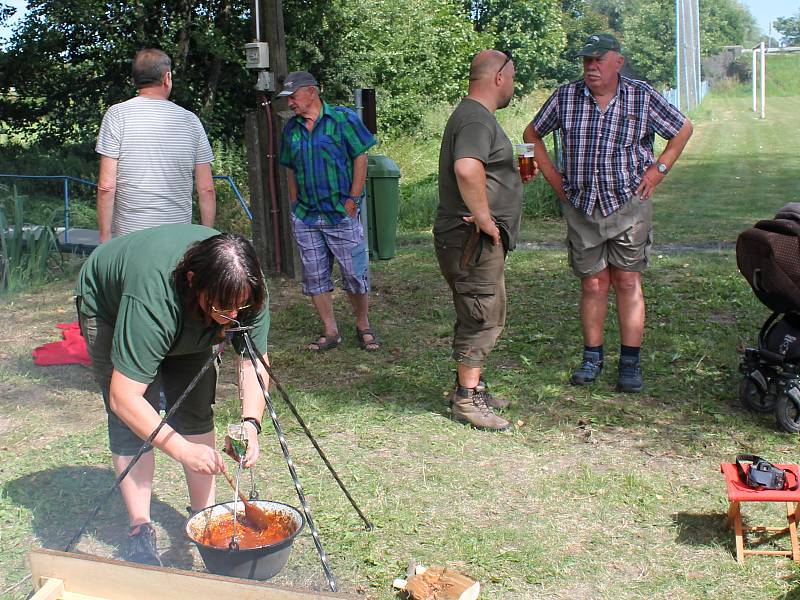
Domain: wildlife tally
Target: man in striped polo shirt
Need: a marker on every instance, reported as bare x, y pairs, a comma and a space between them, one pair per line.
151, 152
324, 150
608, 124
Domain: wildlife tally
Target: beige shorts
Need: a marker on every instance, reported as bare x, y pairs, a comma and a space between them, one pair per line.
622, 239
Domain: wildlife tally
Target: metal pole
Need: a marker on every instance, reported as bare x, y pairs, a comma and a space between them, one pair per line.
685, 60
699, 73
257, 17
678, 52
66, 210
690, 80
754, 78
763, 82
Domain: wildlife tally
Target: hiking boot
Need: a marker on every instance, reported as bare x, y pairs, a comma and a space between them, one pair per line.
590, 369
630, 375
469, 406
492, 401
140, 547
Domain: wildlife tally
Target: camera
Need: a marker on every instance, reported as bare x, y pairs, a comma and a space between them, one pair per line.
762, 474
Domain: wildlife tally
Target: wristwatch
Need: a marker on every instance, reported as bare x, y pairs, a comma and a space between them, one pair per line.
662, 168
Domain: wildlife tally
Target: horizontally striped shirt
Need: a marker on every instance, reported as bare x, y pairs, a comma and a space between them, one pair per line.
157, 144
605, 153
322, 161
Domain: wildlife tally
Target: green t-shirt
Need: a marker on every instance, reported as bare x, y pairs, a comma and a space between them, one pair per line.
127, 281
473, 132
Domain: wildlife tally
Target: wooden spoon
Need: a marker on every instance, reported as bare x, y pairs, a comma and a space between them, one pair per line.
257, 517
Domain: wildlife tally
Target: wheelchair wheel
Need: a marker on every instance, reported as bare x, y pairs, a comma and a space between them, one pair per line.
754, 398
787, 413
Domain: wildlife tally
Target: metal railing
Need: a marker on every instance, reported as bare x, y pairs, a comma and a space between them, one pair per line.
66, 192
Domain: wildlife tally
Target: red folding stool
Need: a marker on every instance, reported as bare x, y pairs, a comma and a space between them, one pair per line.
739, 492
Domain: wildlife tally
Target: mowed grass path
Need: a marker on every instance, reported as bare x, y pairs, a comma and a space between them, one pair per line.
737, 170
594, 494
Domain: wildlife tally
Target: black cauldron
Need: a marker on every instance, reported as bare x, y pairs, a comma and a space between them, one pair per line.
252, 563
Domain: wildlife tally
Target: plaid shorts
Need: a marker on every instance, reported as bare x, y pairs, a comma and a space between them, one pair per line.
321, 242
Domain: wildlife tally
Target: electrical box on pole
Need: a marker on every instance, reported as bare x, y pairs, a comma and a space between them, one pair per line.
266, 57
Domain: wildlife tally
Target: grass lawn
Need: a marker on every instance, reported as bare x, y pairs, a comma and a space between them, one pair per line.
594, 494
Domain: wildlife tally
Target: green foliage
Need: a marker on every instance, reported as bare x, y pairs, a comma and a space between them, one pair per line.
70, 60
789, 28
25, 251
725, 23
649, 39
646, 29
531, 31
414, 53
580, 20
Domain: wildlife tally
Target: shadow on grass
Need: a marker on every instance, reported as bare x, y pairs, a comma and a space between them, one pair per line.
61, 499
703, 529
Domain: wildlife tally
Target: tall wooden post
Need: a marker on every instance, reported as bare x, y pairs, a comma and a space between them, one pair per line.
272, 232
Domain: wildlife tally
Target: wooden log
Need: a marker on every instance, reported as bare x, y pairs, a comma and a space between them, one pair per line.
438, 583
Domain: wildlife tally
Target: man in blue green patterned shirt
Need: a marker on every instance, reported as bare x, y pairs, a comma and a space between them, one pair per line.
324, 150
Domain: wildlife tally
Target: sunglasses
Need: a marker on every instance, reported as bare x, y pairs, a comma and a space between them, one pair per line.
508, 59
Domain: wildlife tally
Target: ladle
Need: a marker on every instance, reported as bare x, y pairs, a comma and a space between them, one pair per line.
257, 517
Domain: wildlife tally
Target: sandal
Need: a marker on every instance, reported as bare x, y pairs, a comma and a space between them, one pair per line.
369, 345
325, 342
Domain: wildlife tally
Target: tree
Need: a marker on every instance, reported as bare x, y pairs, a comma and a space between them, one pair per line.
579, 19
414, 52
789, 28
70, 59
725, 23
531, 31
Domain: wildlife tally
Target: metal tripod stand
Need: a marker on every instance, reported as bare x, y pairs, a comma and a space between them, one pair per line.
242, 335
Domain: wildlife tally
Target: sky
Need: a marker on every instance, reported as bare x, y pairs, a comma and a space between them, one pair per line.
5, 31
767, 11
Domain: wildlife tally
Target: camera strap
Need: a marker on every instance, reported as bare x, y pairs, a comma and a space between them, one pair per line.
752, 458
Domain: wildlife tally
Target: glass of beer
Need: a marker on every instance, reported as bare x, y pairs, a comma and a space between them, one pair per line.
238, 437
525, 159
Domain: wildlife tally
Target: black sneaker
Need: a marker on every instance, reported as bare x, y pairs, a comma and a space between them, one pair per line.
630, 375
590, 368
140, 547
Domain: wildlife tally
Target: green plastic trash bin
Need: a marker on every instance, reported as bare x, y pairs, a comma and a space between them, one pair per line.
383, 200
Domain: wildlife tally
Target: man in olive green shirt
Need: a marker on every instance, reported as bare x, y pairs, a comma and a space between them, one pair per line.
151, 305
477, 221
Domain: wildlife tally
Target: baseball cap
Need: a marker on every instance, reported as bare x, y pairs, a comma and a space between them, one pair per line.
294, 81
598, 44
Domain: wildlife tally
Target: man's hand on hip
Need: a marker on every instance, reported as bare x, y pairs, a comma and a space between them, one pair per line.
650, 180
350, 207
487, 226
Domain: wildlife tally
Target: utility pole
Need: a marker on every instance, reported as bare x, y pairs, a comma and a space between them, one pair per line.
272, 232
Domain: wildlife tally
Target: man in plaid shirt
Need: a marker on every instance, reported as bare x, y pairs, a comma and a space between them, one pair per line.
608, 124
324, 149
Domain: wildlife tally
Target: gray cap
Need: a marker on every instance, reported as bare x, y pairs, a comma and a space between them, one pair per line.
294, 81
598, 44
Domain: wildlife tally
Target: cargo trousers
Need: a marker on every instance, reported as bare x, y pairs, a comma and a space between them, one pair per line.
479, 292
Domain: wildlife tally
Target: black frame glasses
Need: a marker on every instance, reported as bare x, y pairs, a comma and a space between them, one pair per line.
508, 59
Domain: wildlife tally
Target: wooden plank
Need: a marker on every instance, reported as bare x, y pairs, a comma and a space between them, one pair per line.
51, 589
84, 575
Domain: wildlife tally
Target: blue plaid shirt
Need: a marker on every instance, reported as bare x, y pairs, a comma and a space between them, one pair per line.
322, 161
606, 153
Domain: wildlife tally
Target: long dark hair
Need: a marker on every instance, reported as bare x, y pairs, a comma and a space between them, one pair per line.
224, 267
